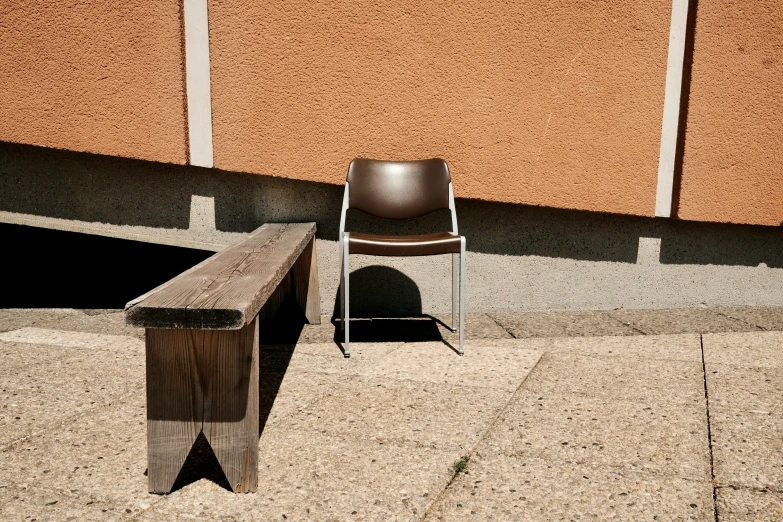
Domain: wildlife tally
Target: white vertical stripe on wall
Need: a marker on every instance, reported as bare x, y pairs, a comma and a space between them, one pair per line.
198, 89
671, 109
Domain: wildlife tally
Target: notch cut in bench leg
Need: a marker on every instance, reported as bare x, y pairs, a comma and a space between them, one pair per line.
305, 275
202, 381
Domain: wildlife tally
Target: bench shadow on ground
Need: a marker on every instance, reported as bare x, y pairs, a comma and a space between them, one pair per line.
277, 340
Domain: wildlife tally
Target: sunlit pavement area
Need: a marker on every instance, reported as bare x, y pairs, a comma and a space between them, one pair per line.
626, 415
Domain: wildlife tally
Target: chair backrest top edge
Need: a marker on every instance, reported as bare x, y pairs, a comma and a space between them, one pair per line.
398, 189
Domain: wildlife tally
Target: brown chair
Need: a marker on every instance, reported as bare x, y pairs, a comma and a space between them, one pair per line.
401, 190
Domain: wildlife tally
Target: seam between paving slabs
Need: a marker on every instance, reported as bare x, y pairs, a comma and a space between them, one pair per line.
508, 331
626, 324
740, 320
709, 432
483, 436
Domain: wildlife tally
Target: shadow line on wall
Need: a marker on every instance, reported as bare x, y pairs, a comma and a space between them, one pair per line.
95, 188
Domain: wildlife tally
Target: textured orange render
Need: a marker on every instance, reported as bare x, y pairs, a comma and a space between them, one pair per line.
557, 104
103, 77
733, 166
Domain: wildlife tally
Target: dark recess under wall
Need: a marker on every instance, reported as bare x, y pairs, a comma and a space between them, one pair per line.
53, 269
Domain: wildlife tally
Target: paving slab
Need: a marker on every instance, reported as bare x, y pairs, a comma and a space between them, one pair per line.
768, 318
438, 416
41, 385
283, 396
675, 321
28, 502
610, 378
72, 339
658, 437
757, 389
111, 322
747, 505
495, 367
762, 349
562, 324
323, 357
747, 448
15, 318
507, 488
97, 457
477, 326
678, 347
312, 476
681, 347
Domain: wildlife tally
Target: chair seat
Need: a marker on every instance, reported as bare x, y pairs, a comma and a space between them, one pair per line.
412, 245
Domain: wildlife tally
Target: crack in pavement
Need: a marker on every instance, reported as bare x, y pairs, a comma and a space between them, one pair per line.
481, 439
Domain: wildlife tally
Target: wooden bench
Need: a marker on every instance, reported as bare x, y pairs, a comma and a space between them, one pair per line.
202, 349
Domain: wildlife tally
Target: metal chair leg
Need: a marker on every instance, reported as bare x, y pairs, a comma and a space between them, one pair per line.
454, 290
342, 287
462, 298
346, 294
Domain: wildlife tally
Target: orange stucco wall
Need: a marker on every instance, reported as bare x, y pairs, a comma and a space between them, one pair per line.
103, 77
555, 103
732, 165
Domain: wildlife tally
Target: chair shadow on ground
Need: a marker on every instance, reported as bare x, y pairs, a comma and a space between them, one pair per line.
277, 340
386, 307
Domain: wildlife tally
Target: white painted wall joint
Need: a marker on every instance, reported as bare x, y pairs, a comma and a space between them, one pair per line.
198, 82
671, 108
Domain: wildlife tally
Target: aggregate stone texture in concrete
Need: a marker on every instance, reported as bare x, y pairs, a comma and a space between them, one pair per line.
497, 487
562, 324
769, 318
496, 367
683, 347
601, 436
744, 378
312, 476
610, 378
43, 385
747, 448
687, 320
15, 318
95, 459
431, 415
759, 349
596, 427
748, 505
659, 438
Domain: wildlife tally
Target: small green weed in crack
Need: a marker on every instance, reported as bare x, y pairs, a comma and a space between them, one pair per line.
460, 465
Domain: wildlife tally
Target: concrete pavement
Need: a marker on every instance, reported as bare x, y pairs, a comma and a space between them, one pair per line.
626, 415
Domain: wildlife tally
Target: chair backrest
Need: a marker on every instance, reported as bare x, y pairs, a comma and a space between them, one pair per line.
398, 189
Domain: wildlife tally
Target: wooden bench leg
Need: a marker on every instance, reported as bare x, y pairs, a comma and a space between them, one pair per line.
305, 274
202, 381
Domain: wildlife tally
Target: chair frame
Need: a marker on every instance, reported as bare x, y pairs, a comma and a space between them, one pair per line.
457, 276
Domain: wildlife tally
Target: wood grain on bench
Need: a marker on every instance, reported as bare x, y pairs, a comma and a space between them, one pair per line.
202, 348
226, 291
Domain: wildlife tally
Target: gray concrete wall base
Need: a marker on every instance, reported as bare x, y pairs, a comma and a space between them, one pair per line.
520, 258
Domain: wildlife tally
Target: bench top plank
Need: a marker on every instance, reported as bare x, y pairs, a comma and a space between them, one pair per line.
226, 291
